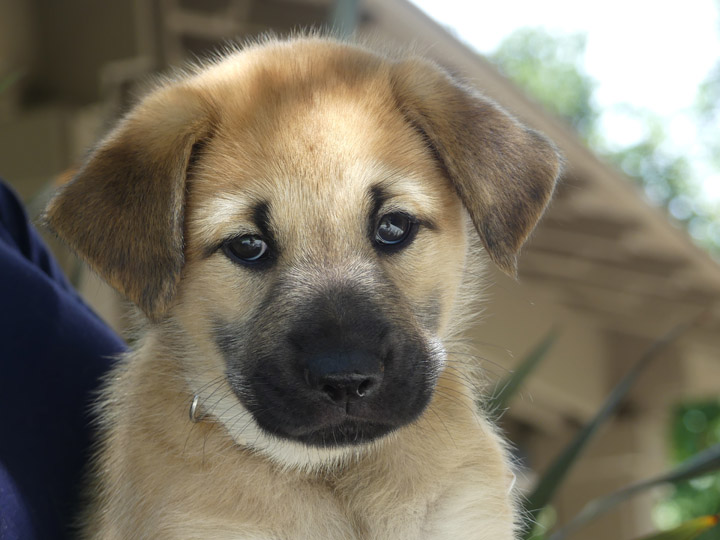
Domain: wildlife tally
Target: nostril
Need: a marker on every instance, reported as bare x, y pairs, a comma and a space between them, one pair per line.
364, 387
347, 387
343, 376
335, 392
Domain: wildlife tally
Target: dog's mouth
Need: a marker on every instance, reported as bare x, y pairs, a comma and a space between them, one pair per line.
320, 422
349, 432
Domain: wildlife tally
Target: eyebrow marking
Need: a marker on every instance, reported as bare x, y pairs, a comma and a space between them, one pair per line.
380, 196
260, 218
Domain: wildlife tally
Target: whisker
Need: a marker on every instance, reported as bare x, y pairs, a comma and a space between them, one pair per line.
477, 359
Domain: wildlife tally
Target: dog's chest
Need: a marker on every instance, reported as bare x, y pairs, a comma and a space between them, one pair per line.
312, 518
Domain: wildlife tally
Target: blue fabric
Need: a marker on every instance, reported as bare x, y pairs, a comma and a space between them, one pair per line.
53, 352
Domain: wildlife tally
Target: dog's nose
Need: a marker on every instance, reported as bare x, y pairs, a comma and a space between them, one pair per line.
344, 387
344, 376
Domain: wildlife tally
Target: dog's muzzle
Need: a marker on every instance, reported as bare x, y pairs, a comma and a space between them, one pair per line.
346, 372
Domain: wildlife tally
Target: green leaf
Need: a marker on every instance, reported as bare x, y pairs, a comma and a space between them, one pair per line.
550, 68
507, 389
688, 530
702, 463
556, 473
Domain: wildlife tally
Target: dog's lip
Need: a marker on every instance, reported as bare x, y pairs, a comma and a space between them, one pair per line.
337, 419
316, 420
349, 432
337, 427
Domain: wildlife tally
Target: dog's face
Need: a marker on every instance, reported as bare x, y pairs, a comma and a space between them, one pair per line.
291, 220
324, 250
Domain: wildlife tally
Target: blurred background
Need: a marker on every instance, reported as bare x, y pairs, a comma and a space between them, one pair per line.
627, 254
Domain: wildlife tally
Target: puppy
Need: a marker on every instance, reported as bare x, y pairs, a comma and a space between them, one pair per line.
291, 220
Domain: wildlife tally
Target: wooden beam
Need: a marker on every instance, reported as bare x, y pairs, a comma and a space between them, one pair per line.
618, 310
571, 269
602, 251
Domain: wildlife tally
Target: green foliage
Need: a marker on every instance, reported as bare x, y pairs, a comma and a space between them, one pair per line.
665, 175
687, 531
670, 180
707, 112
536, 505
551, 480
707, 101
693, 469
706, 225
695, 427
550, 70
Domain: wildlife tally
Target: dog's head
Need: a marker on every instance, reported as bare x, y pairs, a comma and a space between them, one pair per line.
291, 221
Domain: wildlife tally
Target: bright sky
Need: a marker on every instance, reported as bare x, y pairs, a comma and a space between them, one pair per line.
648, 53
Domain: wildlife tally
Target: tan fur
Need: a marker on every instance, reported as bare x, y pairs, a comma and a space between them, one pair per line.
309, 125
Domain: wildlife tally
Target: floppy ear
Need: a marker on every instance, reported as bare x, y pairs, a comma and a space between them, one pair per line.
503, 172
123, 211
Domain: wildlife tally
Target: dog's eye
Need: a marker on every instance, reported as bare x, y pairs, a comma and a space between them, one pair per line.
394, 229
246, 249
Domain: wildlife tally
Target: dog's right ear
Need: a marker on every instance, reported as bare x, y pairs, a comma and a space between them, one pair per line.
123, 211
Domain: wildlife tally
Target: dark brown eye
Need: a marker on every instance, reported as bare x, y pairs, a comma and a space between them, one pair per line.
246, 249
394, 229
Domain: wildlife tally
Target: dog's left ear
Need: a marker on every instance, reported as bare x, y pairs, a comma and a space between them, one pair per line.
123, 211
503, 172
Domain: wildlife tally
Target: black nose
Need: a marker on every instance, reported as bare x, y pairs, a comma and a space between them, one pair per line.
343, 387
344, 376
